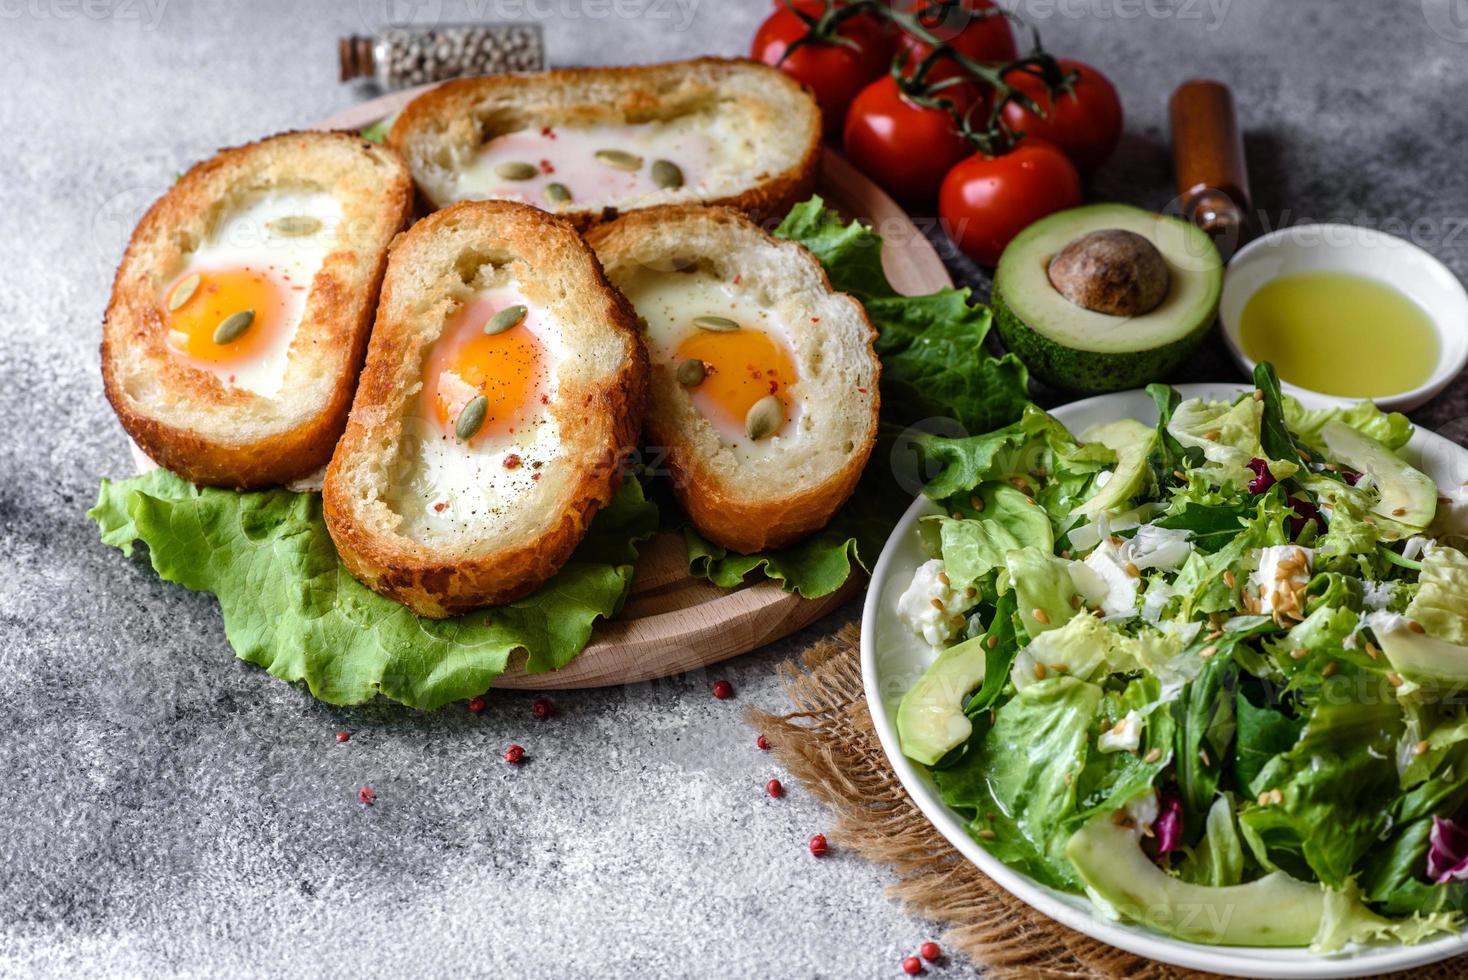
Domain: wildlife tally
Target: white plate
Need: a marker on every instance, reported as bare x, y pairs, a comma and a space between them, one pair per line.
892, 659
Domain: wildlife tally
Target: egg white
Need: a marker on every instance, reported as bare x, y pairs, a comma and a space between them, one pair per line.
703, 145
447, 491
244, 238
668, 303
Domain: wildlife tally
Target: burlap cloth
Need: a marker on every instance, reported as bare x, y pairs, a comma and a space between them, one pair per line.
829, 744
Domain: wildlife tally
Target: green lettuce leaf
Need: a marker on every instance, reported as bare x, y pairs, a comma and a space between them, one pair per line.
1001, 643
1110, 780
1441, 603
1218, 859
291, 607
1274, 434
1332, 783
1008, 520
1392, 429
1205, 732
1024, 770
1227, 434
1169, 457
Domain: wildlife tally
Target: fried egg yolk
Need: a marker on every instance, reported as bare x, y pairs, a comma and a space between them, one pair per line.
741, 367
510, 369
200, 301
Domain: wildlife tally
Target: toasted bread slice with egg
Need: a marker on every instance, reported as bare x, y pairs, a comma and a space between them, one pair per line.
240, 312
503, 388
764, 380
587, 143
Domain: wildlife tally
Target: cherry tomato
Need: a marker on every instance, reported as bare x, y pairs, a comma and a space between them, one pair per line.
903, 146
985, 201
1084, 121
833, 72
987, 39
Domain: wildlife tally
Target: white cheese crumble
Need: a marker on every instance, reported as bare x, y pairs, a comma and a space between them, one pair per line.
1124, 736
1111, 586
931, 605
1283, 573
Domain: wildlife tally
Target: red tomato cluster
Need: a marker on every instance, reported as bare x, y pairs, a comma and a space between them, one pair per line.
911, 145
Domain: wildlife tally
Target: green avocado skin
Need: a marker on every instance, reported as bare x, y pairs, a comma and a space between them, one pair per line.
1091, 372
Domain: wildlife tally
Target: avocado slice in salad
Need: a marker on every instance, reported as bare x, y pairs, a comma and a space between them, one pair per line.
930, 719
1421, 657
1407, 495
1070, 258
1275, 910
1132, 442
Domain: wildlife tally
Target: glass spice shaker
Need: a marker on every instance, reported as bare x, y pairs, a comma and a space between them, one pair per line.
404, 56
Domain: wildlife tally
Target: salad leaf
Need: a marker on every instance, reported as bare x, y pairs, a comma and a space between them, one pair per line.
813, 567
1394, 881
850, 252
1227, 434
1447, 851
932, 347
1044, 589
1330, 785
1441, 603
291, 607
1274, 433
1031, 757
1110, 780
1264, 732
1213, 526
1347, 920
1006, 521
377, 132
1218, 859
1169, 457
1392, 429
1205, 731
1001, 643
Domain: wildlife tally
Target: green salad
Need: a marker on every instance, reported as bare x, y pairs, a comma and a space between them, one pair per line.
1207, 672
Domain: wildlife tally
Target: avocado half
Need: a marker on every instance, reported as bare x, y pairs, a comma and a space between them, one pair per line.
1072, 347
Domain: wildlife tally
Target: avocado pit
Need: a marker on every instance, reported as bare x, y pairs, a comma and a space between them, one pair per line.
1111, 271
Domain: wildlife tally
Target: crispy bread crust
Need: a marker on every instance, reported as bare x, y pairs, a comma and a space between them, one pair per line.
600, 421
203, 430
453, 103
738, 520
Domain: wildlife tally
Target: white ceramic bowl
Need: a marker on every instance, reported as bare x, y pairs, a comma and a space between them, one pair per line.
892, 658
1363, 252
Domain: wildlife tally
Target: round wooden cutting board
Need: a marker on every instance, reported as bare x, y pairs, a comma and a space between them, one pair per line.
674, 622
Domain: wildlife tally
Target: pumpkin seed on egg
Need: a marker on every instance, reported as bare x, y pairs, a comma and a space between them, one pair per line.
471, 419
620, 159
183, 292
557, 193
510, 316
295, 225
692, 372
718, 324
765, 416
516, 170
233, 327
667, 174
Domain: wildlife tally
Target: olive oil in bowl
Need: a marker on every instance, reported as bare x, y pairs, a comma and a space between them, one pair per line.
1340, 334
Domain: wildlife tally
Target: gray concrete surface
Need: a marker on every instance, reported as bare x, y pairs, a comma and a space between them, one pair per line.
167, 810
